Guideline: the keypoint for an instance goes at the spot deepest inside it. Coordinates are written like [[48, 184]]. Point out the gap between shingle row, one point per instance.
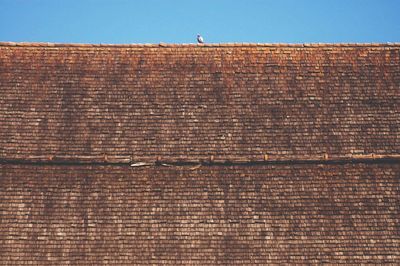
[[135, 161]]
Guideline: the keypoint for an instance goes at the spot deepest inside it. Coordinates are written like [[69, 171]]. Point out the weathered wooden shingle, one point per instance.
[[286, 214], [249, 154], [197, 101]]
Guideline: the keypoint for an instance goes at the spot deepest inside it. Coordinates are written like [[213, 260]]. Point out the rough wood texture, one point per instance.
[[199, 154], [80, 215], [195, 101]]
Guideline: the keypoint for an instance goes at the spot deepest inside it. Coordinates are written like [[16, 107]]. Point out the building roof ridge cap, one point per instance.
[[205, 45]]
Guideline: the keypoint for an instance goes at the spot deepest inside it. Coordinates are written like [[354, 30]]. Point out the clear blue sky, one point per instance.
[[219, 21]]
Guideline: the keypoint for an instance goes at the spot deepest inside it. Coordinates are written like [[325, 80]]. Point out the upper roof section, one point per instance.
[[197, 101]]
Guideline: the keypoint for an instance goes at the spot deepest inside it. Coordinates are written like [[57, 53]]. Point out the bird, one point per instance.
[[199, 39]]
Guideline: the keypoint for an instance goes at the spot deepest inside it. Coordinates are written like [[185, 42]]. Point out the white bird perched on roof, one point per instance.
[[200, 39]]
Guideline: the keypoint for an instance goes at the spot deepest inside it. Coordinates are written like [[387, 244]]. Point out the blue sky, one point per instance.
[[219, 21]]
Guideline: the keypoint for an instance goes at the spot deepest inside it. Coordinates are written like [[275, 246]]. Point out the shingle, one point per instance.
[[212, 215], [232, 154], [186, 100]]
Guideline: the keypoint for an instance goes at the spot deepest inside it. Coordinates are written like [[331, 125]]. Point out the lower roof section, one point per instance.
[[85, 214]]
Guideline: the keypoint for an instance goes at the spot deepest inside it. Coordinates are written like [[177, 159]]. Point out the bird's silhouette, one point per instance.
[[200, 39]]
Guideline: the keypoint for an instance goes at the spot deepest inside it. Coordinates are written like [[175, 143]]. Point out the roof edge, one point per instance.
[[205, 45]]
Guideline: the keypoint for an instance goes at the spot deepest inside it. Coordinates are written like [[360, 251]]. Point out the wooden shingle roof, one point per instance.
[[191, 102], [220, 215], [214, 154]]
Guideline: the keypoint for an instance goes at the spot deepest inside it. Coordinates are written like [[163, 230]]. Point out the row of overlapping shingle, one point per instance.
[[249, 154], [194, 101], [292, 214]]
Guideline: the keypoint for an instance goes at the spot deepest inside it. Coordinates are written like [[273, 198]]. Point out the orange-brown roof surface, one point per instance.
[[196, 101], [220, 215], [215, 154]]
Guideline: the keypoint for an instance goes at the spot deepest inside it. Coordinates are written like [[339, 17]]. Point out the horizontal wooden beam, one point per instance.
[[137, 161]]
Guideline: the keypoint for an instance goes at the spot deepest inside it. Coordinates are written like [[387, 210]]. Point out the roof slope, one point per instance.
[[191, 101], [168, 107], [267, 214]]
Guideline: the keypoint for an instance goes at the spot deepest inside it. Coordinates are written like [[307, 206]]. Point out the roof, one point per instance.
[[191, 102], [229, 215], [248, 154]]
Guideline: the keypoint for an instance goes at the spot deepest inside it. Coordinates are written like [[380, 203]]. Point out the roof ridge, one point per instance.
[[205, 45]]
